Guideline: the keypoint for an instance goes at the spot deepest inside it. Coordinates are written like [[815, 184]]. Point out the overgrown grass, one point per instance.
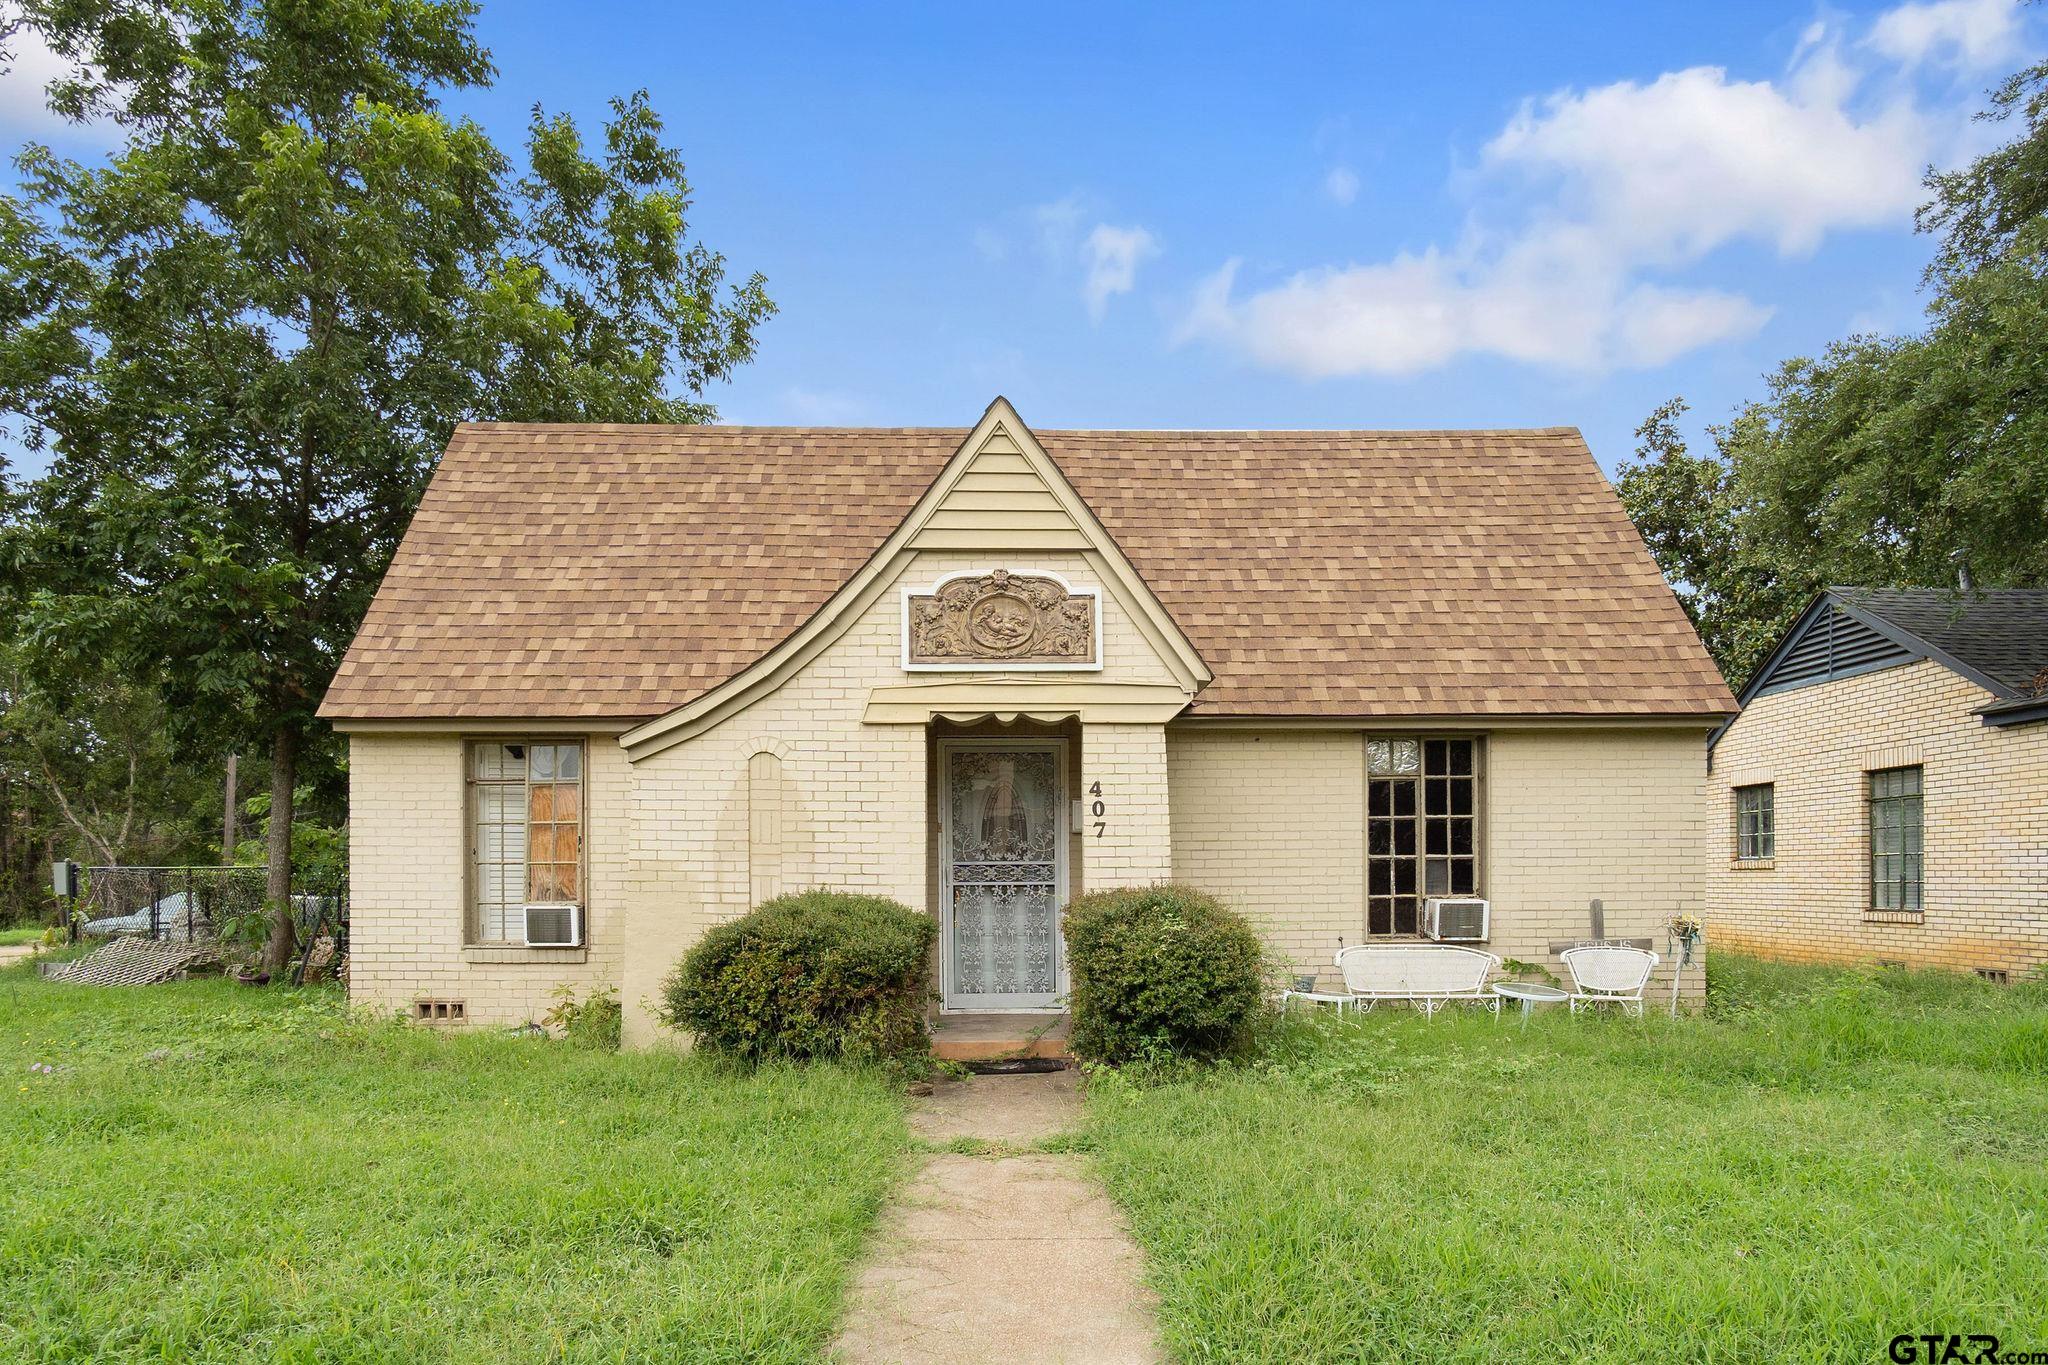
[[19, 934], [1831, 1159], [213, 1173]]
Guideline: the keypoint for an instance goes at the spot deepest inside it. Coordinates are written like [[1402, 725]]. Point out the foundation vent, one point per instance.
[[440, 1011]]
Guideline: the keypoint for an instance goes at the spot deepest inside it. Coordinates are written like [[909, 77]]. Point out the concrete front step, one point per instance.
[[1000, 1037]]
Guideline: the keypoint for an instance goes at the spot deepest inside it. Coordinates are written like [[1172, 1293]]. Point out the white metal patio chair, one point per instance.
[[1425, 974], [1609, 976]]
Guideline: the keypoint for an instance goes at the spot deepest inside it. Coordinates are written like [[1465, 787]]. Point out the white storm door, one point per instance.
[[1003, 874]]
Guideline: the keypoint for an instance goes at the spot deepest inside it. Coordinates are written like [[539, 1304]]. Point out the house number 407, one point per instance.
[[1096, 809]]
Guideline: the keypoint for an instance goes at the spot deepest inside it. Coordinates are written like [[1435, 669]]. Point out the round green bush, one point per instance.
[[820, 974], [1161, 971]]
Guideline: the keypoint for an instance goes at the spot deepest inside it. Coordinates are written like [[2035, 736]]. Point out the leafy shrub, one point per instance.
[[1161, 971], [820, 974], [595, 1022]]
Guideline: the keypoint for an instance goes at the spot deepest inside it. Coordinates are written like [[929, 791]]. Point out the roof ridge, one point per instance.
[[622, 569], [738, 427]]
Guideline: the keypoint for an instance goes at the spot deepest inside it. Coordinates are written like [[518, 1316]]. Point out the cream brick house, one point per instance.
[[643, 678], [1883, 795]]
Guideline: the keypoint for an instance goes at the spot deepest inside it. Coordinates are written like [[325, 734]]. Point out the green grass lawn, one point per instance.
[[25, 933], [214, 1173], [1830, 1160]]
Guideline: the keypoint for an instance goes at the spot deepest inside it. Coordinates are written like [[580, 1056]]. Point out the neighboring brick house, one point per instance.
[[1883, 795], [634, 680]]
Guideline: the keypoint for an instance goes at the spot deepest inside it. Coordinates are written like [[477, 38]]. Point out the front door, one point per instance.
[[1003, 873]]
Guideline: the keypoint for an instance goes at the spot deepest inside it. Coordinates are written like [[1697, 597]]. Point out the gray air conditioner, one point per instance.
[[1461, 920], [554, 926]]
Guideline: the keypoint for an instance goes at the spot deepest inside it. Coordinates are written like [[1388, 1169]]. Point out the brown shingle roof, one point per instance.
[[618, 571]]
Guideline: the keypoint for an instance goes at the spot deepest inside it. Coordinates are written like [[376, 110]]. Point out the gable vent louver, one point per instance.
[[1833, 645]]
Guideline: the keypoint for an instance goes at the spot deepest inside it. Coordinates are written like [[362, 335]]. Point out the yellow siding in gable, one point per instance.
[[1000, 501]]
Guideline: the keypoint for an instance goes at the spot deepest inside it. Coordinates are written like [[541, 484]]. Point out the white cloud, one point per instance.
[[23, 103], [1420, 311], [1104, 258], [1675, 168], [1593, 199], [1341, 184], [1968, 33], [1112, 255], [1655, 325]]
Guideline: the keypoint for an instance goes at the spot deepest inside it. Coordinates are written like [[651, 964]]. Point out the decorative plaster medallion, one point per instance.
[[1000, 617]]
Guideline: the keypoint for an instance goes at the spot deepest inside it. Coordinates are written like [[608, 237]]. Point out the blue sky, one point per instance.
[[1282, 215]]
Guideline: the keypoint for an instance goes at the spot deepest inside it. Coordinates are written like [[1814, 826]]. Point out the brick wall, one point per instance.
[[1985, 807], [1613, 815], [408, 853], [1273, 822], [854, 796], [1129, 762]]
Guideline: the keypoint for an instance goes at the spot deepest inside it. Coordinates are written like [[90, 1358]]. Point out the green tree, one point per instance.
[[98, 755], [247, 333], [1886, 461], [1690, 511]]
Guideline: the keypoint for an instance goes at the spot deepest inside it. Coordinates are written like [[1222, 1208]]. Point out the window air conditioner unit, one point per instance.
[[1464, 920], [554, 926]]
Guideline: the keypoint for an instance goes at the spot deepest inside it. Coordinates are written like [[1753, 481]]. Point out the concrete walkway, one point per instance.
[[1015, 1257], [15, 952]]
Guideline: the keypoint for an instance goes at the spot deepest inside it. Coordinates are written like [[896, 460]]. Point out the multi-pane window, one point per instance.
[[1895, 839], [526, 832], [1756, 822], [1421, 827]]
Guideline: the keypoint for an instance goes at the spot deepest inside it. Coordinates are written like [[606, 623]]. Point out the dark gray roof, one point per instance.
[[1998, 634], [1997, 638]]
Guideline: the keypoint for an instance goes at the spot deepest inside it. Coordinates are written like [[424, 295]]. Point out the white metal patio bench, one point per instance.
[[1426, 974], [1609, 976]]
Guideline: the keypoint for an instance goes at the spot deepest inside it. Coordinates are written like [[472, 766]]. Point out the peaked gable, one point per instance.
[[1000, 492], [1826, 642], [1997, 640], [1000, 498], [611, 574]]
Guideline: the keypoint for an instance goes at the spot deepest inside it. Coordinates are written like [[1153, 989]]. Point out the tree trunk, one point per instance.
[[228, 812], [284, 755]]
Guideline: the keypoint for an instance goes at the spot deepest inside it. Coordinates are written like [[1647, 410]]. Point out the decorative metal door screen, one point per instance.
[[1003, 852]]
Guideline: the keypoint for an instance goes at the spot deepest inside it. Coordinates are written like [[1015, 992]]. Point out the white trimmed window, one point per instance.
[[526, 832]]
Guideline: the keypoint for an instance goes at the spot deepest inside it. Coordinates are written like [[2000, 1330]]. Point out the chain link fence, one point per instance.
[[168, 904], [184, 904]]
